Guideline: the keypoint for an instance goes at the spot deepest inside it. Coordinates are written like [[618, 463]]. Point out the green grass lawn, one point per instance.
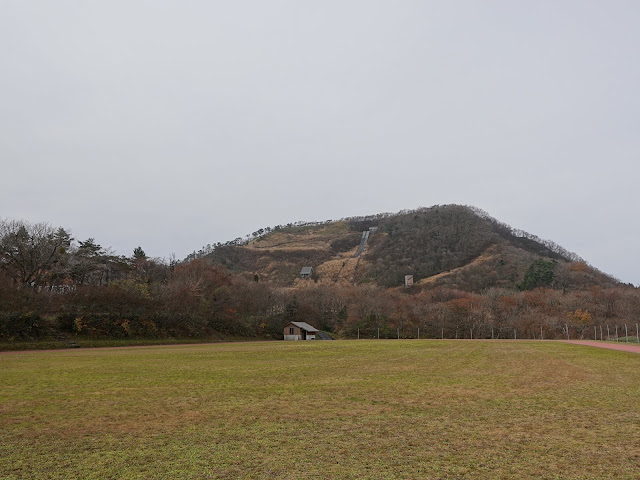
[[100, 342], [322, 410]]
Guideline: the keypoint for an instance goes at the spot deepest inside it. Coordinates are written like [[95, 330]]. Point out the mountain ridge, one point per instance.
[[442, 242]]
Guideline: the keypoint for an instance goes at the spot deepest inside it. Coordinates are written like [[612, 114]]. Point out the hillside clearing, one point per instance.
[[367, 409]]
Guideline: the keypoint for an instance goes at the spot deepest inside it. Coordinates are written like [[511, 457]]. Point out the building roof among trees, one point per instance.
[[305, 326], [306, 271]]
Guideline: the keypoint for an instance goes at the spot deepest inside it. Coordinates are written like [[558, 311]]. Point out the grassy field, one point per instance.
[[322, 410], [101, 342]]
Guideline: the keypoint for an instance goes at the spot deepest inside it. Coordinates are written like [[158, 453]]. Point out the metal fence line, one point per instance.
[[487, 331]]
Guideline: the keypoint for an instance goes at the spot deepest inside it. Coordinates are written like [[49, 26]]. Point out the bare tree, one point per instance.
[[32, 253]]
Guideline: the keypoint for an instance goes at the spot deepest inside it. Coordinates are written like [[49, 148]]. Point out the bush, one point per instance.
[[539, 274], [22, 326]]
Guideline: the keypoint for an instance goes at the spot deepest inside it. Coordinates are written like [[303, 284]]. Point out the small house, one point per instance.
[[408, 280], [299, 331], [306, 272]]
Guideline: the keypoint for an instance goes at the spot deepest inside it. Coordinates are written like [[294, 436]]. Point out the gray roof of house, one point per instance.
[[306, 270], [305, 326]]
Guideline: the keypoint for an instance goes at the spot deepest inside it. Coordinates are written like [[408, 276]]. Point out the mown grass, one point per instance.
[[101, 342], [326, 410]]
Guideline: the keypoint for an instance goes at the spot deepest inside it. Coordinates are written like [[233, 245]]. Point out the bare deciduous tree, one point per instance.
[[32, 252]]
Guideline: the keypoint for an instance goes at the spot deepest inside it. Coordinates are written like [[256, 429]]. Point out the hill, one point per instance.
[[450, 245], [474, 278]]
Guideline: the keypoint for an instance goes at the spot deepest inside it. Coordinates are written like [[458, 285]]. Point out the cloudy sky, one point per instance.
[[173, 124]]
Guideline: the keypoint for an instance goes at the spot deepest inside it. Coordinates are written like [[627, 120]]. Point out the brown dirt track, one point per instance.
[[623, 347]]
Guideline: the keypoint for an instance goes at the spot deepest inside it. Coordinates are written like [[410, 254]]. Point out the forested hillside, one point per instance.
[[448, 245], [474, 277]]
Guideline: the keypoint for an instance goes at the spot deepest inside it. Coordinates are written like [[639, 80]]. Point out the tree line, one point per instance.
[[51, 284]]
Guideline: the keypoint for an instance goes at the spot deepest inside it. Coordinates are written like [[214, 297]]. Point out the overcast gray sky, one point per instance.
[[173, 124]]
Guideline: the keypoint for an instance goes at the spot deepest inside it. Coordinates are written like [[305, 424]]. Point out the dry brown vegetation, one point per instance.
[[447, 246], [485, 282]]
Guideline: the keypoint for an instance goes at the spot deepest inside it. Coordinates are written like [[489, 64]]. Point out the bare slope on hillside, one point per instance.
[[280, 255], [447, 245]]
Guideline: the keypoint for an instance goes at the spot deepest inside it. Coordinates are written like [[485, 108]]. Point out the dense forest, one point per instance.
[[53, 286]]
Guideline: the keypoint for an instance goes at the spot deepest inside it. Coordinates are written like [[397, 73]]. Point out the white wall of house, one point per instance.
[[310, 336]]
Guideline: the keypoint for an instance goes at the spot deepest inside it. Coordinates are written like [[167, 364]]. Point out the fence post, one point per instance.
[[443, 334], [515, 334], [601, 337], [637, 336], [541, 337], [471, 333], [418, 333], [608, 335], [398, 334], [616, 333], [567, 326], [491, 332], [626, 332], [378, 334]]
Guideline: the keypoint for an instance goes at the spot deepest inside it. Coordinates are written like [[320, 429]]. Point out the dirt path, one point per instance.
[[483, 257], [623, 347]]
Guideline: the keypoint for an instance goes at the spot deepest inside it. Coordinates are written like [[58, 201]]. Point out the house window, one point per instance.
[[290, 330]]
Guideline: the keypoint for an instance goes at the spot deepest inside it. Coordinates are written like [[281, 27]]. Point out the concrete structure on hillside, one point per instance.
[[363, 243], [300, 331], [408, 280], [306, 272]]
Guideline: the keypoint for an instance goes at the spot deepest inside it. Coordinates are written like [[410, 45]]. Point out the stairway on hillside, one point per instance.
[[348, 271], [363, 243]]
